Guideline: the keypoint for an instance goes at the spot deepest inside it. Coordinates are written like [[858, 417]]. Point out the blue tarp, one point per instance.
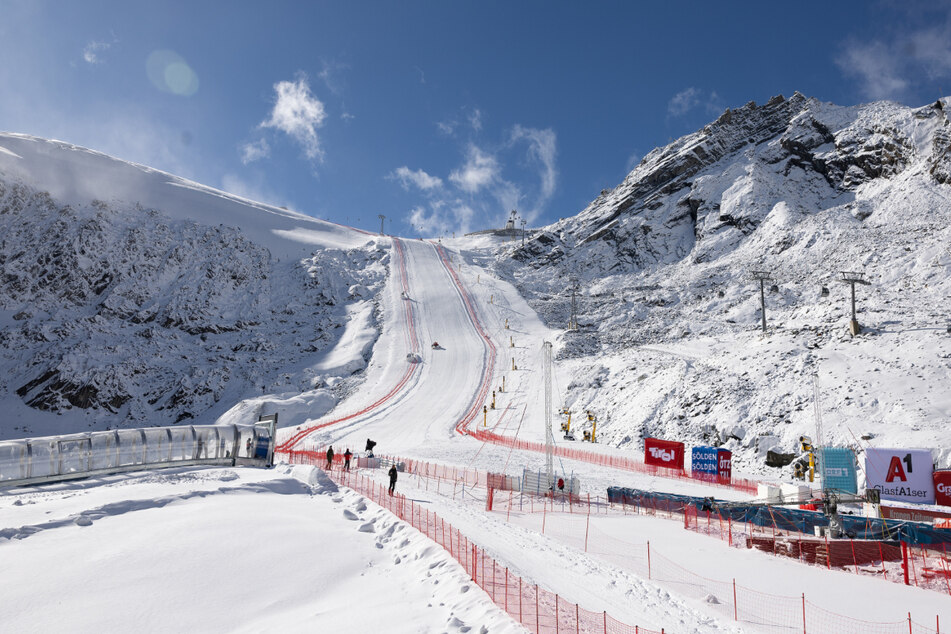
[[789, 519]]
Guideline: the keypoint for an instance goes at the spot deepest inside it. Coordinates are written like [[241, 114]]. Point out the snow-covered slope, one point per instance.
[[131, 297], [670, 343]]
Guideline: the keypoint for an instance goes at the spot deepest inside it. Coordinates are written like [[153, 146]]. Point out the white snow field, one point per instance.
[[287, 550]]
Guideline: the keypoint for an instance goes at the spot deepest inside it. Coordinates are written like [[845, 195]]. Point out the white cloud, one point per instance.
[[330, 74], [442, 218], [632, 161], [298, 113], [480, 170], [683, 102], [92, 51], [475, 119], [542, 149], [875, 67], [255, 151], [419, 178]]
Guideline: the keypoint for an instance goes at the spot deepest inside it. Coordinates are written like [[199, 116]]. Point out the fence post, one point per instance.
[[577, 619], [506, 589], [904, 559], [735, 611], [803, 613], [536, 608], [520, 601], [556, 614], [909, 624], [605, 622]]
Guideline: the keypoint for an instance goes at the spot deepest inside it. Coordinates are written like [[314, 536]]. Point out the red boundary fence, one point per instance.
[[615, 462], [768, 612], [927, 567], [536, 608]]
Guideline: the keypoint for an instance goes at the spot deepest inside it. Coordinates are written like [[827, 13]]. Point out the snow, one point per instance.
[[338, 349]]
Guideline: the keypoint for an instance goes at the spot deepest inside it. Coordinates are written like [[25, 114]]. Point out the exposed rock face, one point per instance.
[[143, 320], [801, 190], [719, 184]]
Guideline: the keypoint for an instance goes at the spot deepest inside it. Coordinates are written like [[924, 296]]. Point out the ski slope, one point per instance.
[[246, 550]]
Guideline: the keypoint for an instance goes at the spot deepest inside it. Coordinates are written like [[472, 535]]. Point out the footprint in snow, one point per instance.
[[350, 515], [361, 507], [367, 528]]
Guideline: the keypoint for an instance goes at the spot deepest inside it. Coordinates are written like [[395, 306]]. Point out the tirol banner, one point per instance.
[[942, 487], [902, 475], [664, 453]]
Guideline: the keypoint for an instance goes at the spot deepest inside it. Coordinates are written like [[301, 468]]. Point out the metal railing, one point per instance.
[[55, 458]]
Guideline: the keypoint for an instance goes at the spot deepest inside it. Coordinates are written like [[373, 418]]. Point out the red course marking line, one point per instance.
[[290, 443], [483, 393]]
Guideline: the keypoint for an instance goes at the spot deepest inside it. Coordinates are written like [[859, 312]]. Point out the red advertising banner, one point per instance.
[[664, 453], [724, 465], [942, 487]]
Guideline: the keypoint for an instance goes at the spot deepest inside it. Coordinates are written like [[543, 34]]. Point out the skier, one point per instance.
[[392, 473], [346, 459], [330, 457]]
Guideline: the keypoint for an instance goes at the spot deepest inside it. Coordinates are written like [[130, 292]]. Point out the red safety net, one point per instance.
[[617, 462], [536, 608]]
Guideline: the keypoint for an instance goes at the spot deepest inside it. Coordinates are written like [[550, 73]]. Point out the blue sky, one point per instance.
[[442, 116]]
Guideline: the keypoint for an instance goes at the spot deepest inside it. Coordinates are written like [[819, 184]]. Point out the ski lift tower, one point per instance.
[[549, 438], [573, 289], [763, 277], [852, 278]]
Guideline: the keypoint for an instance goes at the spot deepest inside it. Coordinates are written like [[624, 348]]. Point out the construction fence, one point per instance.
[[534, 607]]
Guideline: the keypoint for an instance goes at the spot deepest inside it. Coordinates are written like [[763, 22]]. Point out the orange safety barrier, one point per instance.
[[569, 520], [616, 462], [743, 604], [536, 608], [927, 567]]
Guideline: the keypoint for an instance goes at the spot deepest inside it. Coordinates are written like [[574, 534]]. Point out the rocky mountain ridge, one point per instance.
[[670, 342]]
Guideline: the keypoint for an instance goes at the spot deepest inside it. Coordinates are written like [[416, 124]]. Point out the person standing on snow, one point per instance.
[[392, 473], [330, 457], [346, 459]]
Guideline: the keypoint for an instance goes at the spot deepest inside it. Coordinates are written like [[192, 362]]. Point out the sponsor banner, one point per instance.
[[903, 475], [704, 460], [713, 462], [725, 465], [664, 453], [912, 515], [838, 469], [942, 487]]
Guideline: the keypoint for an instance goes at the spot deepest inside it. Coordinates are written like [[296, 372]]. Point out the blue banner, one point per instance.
[[838, 469]]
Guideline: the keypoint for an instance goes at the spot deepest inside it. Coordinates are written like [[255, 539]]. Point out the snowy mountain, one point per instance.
[[133, 297], [670, 342], [130, 297]]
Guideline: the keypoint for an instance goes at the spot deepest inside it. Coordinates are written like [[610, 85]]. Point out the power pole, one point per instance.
[[573, 318], [763, 277], [523, 232], [382, 218], [549, 438], [852, 278]]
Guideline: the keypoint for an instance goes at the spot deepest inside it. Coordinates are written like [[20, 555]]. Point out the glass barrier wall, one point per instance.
[[77, 455]]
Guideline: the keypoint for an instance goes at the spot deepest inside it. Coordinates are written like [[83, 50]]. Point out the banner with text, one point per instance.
[[903, 475], [942, 487], [664, 453]]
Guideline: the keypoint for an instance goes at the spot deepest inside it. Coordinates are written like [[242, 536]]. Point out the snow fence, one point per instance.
[[534, 607]]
